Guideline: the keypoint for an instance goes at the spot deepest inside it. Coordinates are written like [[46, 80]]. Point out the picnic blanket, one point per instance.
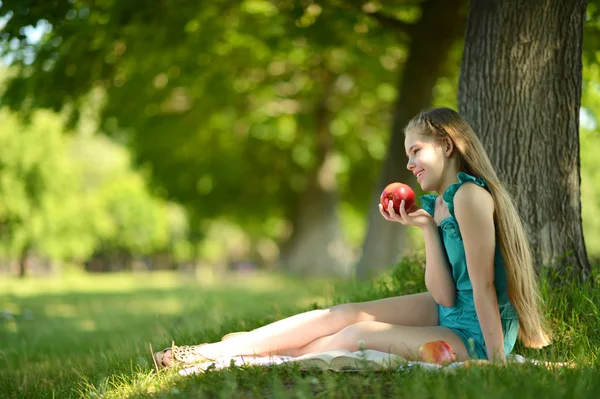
[[343, 360]]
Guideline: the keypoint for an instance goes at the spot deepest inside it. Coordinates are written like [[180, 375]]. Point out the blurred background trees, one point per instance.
[[169, 134], [75, 198]]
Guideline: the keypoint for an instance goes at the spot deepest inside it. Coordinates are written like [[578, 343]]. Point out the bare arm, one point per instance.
[[438, 278], [474, 209]]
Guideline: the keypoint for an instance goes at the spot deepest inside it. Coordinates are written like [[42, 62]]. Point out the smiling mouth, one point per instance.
[[420, 174]]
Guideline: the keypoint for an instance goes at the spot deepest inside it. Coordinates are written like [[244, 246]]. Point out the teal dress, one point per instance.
[[462, 317]]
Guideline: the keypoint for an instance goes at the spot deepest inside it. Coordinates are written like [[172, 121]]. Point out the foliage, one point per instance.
[[220, 100], [590, 163], [40, 203], [66, 197], [218, 103]]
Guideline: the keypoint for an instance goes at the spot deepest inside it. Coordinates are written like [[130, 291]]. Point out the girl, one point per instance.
[[482, 289]]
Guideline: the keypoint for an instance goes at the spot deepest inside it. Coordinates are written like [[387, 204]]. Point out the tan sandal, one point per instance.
[[187, 354], [233, 334]]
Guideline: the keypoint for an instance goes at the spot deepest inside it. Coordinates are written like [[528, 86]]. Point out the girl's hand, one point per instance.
[[417, 217]]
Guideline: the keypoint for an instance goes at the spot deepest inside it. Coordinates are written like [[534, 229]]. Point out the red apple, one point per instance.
[[397, 192], [438, 352]]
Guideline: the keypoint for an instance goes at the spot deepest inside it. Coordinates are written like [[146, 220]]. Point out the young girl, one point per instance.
[[482, 289]]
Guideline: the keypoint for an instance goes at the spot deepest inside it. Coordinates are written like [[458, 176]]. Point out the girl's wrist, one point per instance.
[[429, 226], [497, 356]]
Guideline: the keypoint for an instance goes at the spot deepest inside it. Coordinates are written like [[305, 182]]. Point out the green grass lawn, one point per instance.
[[89, 336]]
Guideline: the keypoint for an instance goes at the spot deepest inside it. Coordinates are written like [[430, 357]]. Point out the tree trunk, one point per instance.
[[316, 246], [520, 87], [441, 24], [23, 260]]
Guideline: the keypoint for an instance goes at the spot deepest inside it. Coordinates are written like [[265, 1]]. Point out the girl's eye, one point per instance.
[[415, 151]]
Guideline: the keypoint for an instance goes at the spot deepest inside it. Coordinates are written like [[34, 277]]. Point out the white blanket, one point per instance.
[[342, 360]]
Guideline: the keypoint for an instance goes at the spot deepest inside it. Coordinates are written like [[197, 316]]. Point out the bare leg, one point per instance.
[[302, 329], [401, 340]]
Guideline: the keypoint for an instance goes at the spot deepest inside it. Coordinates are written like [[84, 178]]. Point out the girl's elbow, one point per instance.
[[444, 296], [446, 300]]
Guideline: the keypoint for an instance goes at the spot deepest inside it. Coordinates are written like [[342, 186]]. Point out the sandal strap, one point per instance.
[[188, 354]]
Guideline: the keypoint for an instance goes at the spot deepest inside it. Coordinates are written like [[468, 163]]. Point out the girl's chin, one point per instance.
[[427, 187]]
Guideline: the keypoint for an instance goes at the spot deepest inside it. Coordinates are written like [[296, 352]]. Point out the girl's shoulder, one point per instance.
[[477, 191], [480, 188]]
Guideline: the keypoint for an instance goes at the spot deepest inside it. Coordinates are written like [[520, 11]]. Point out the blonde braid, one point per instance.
[[434, 126]]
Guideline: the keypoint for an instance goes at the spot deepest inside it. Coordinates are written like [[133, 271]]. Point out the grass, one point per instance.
[[88, 336]]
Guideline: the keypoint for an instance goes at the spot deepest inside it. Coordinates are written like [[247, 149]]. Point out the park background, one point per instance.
[[171, 170]]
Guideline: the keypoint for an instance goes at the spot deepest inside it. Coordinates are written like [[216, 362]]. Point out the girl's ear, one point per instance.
[[448, 146]]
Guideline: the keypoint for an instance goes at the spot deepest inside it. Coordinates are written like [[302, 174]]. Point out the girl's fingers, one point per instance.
[[395, 216], [402, 210], [385, 216], [392, 212], [403, 216]]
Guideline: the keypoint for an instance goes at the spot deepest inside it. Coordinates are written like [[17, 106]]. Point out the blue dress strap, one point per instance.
[[428, 203], [450, 192]]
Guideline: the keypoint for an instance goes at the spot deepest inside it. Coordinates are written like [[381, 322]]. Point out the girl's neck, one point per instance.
[[449, 179]]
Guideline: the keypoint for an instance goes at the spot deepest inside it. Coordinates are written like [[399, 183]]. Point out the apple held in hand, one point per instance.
[[438, 352], [397, 192]]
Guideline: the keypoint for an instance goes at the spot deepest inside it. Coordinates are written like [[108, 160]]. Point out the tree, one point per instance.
[[133, 223], [253, 99], [431, 38], [42, 209], [520, 87], [65, 196]]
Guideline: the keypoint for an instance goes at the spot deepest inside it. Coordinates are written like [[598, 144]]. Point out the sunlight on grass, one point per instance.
[[60, 310], [123, 282], [87, 325], [62, 334], [89, 336]]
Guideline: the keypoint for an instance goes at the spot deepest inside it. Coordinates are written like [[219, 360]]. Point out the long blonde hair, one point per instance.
[[523, 291]]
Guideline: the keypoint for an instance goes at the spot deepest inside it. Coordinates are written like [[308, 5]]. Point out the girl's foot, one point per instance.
[[169, 357], [163, 358]]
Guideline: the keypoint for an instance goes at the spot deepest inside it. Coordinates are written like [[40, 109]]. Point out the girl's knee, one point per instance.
[[351, 336], [346, 313]]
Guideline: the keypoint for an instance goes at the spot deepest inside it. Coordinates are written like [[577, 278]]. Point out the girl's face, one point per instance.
[[426, 160]]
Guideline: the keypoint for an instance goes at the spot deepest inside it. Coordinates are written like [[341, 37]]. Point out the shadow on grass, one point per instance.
[[53, 344]]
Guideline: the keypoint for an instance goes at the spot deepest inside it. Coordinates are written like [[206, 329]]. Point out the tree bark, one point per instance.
[[23, 260], [316, 246], [441, 24], [520, 87]]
